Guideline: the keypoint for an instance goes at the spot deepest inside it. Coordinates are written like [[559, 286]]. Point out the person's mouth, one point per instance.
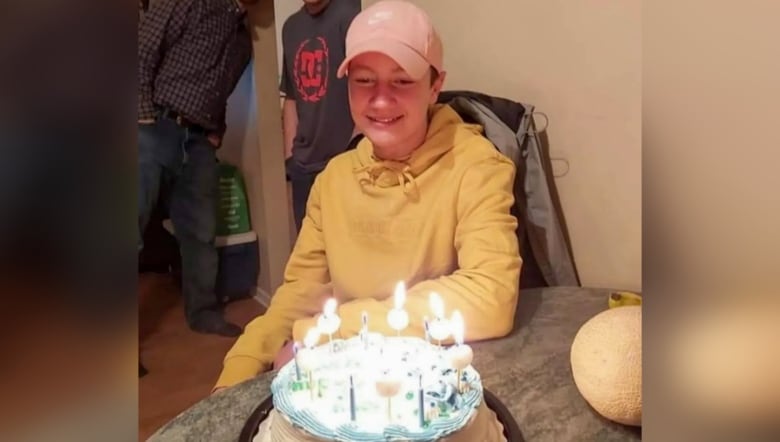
[[384, 120]]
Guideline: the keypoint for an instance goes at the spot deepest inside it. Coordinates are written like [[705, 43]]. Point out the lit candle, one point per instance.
[[421, 404], [439, 329], [311, 338], [397, 317], [329, 320], [460, 354], [351, 399], [306, 358]]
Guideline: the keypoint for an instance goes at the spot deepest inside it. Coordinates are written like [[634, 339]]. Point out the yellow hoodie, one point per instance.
[[439, 222]]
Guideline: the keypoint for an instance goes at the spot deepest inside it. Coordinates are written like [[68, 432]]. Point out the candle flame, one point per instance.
[[330, 307], [398, 319], [364, 318], [457, 327], [437, 305], [312, 337], [400, 295]]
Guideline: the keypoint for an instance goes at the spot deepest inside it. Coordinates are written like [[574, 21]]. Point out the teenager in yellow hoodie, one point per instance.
[[424, 199]]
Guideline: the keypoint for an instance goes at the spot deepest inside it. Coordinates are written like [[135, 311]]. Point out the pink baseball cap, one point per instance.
[[398, 29]]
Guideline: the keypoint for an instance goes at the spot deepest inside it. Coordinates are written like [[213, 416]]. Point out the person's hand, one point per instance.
[[284, 356], [215, 140]]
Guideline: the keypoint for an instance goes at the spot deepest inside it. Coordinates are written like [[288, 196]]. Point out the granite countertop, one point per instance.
[[529, 371]]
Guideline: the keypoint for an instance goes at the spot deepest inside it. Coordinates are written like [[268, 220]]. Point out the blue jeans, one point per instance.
[[186, 160]]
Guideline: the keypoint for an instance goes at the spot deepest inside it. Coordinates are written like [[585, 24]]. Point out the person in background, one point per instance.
[[316, 121], [424, 199], [191, 54]]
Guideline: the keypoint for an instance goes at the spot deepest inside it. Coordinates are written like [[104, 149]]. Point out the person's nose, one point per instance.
[[383, 97]]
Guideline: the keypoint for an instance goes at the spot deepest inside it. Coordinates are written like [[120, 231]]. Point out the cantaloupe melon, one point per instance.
[[606, 364]]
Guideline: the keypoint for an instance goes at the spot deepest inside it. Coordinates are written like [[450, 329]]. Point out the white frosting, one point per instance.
[[385, 366]]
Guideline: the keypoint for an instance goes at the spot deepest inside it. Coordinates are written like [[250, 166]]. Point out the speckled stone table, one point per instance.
[[528, 370]]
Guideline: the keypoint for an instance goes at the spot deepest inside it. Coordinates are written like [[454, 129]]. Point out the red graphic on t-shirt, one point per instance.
[[311, 69]]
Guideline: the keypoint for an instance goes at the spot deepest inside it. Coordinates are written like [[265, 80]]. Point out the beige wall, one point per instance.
[[253, 142], [282, 10], [579, 63]]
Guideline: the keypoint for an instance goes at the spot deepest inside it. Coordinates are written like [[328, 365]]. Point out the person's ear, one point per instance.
[[436, 87]]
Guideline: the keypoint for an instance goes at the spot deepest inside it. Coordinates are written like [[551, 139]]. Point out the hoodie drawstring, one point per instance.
[[403, 172]]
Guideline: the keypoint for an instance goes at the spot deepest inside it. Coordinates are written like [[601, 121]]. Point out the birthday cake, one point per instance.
[[380, 388]]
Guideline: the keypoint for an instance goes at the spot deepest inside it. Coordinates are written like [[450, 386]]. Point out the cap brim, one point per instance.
[[410, 60]]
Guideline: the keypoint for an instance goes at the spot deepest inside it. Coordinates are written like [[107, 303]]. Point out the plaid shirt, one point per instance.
[[191, 54]]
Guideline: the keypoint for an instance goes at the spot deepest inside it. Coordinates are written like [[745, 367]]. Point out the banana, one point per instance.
[[622, 299]]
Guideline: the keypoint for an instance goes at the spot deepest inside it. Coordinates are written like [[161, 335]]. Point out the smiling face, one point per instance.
[[388, 105]]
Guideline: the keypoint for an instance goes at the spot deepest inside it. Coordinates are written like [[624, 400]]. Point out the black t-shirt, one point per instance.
[[313, 50]]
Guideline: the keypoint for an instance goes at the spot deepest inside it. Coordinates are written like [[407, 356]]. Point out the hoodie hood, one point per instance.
[[445, 130]]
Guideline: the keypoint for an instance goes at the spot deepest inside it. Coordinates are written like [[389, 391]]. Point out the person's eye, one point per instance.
[[403, 82], [364, 80]]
